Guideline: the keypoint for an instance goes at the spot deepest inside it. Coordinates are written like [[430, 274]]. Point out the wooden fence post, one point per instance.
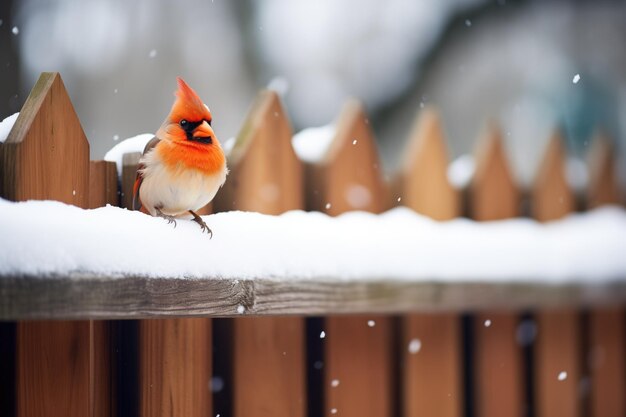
[[102, 184], [130, 162], [269, 353], [499, 378], [558, 346], [431, 343], [46, 156], [358, 349], [607, 326]]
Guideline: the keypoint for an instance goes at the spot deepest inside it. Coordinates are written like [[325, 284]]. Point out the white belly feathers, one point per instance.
[[174, 192]]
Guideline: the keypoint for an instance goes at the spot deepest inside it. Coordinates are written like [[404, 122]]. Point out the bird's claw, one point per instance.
[[203, 225], [170, 219]]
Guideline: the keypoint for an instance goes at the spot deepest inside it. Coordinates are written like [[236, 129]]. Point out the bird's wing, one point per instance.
[[139, 178]]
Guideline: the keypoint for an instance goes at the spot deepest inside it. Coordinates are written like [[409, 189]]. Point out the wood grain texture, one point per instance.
[[559, 345], [130, 161], [102, 391], [499, 377], [102, 184], [175, 367], [607, 363], [88, 296], [53, 369], [46, 155], [359, 357], [604, 187], [432, 377], [269, 360], [269, 353], [432, 368]]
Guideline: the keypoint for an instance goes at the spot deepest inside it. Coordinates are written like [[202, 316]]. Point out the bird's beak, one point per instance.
[[204, 133]]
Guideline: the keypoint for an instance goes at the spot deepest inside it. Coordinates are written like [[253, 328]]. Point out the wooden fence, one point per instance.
[[398, 356]]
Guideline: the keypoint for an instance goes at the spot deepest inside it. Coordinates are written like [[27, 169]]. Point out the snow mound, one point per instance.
[[312, 143], [6, 125], [46, 237], [130, 145]]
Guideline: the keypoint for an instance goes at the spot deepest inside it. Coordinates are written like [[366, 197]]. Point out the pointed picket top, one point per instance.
[[46, 155], [603, 183], [493, 192], [265, 173], [424, 174], [552, 197], [349, 175]]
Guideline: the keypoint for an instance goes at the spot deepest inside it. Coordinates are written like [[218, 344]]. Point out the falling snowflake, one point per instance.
[[322, 334], [576, 78], [354, 142], [487, 323], [399, 199], [334, 383], [15, 30], [333, 411], [153, 53], [468, 22], [115, 91], [240, 309], [73, 192], [371, 323], [327, 206], [562, 376], [116, 137], [415, 345]]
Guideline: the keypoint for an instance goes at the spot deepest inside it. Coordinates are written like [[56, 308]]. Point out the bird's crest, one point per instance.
[[188, 105]]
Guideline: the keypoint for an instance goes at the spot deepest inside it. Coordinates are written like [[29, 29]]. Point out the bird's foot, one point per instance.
[[170, 219], [202, 224]]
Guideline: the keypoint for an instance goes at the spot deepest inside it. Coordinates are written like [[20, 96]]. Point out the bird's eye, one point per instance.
[[183, 123]]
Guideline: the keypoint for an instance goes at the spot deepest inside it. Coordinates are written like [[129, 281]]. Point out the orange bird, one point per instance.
[[184, 165]]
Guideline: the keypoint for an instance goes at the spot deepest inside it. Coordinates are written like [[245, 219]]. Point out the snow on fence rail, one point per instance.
[[416, 364]]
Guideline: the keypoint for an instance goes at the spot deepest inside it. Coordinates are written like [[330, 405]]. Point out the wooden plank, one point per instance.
[[349, 178], [102, 184], [432, 370], [499, 383], [130, 161], [558, 350], [53, 368], [604, 186], [175, 367], [269, 353], [607, 344], [269, 358], [121, 297], [101, 395], [46, 156], [607, 327]]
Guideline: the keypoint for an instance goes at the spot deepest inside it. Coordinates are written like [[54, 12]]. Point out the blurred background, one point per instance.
[[532, 66]]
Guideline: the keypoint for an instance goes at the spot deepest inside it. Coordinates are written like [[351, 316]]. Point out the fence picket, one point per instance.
[[607, 326], [130, 162], [102, 184], [358, 356], [268, 352], [432, 370], [46, 156], [558, 346], [499, 377]]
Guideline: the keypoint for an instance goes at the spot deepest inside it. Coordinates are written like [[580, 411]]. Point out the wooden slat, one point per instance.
[[498, 383], [269, 353], [607, 363], [130, 161], [101, 396], [175, 367], [46, 156], [558, 347], [102, 184], [604, 187], [349, 178], [53, 368], [432, 373], [115, 297], [607, 327]]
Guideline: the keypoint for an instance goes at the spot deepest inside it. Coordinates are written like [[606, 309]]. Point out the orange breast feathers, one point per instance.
[[208, 159]]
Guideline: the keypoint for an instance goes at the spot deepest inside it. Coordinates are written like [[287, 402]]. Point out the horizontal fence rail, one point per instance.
[[269, 347]]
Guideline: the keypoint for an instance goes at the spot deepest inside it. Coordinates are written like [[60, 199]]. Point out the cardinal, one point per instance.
[[183, 166]]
